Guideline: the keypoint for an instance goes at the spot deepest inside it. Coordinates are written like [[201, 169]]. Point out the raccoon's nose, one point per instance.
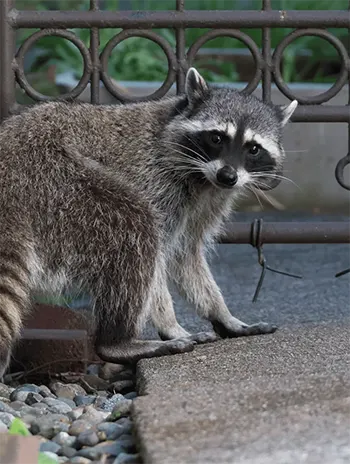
[[227, 176]]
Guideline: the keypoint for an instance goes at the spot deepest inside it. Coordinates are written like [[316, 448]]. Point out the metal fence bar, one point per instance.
[[308, 113], [7, 48], [94, 46], [267, 69], [180, 52], [289, 232], [266, 52], [155, 19]]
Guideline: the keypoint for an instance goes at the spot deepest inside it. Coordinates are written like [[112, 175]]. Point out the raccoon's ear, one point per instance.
[[287, 111], [195, 86]]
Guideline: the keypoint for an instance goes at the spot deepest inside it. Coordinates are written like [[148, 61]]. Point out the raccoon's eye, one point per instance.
[[215, 139], [254, 150]]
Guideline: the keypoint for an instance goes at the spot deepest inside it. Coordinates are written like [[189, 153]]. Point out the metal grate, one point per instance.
[[221, 23]]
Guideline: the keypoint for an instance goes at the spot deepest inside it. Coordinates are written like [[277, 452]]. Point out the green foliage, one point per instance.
[[44, 459], [139, 59], [18, 427]]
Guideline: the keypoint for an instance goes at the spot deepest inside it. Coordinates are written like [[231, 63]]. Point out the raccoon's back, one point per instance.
[[40, 183]]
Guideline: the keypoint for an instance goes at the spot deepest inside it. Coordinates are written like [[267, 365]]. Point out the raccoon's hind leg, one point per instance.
[[15, 277], [119, 313], [120, 272]]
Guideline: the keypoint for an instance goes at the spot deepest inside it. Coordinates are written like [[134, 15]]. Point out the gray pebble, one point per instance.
[[50, 401], [107, 404], [88, 438], [33, 398], [28, 419], [50, 446], [75, 413], [60, 408], [64, 439], [126, 423], [93, 416], [111, 429], [67, 451], [80, 460], [112, 448], [6, 418], [125, 458], [100, 400], [5, 390], [62, 459], [17, 405], [78, 427], [67, 390], [40, 406], [70, 403], [5, 400], [51, 455], [45, 392], [122, 408], [3, 427], [90, 453], [84, 400], [21, 393], [130, 395], [32, 411], [4, 407], [50, 425], [56, 406], [93, 369]]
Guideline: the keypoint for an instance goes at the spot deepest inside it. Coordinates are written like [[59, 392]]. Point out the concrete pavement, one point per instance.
[[282, 398]]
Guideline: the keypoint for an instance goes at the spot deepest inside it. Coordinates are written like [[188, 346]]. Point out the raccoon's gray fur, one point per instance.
[[117, 199]]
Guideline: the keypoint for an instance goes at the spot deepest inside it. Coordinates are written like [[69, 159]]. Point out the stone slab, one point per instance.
[[282, 398]]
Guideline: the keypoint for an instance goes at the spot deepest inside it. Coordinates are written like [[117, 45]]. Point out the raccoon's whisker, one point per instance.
[[296, 151], [193, 151], [259, 184], [275, 203], [275, 176], [187, 157], [197, 145], [257, 197]]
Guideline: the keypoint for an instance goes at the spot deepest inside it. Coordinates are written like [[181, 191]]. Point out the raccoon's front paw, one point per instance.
[[243, 330], [204, 337]]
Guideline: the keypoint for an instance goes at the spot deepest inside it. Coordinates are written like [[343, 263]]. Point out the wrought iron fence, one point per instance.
[[221, 23]]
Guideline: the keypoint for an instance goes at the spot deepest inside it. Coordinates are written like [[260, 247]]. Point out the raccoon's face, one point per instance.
[[231, 140]]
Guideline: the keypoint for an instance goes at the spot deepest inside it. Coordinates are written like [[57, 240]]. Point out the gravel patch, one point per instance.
[[80, 421]]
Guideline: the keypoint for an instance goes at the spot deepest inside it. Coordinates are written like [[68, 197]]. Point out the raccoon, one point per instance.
[[118, 201]]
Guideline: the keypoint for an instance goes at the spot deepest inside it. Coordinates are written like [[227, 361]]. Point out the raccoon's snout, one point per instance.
[[227, 176]]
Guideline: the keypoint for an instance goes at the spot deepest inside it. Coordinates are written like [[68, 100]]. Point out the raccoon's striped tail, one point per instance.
[[14, 298]]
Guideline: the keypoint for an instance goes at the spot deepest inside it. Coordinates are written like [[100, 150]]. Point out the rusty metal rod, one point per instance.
[[53, 334], [189, 18], [7, 50], [289, 232], [305, 113], [329, 113]]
